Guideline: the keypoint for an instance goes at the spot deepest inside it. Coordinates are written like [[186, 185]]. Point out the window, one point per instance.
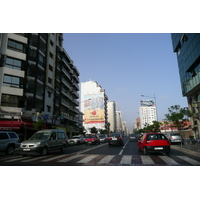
[[48, 108], [49, 80], [49, 94], [11, 101], [13, 63], [11, 81], [61, 135], [16, 46], [3, 136], [12, 135]]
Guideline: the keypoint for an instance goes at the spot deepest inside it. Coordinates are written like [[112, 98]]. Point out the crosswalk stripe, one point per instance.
[[32, 159], [146, 160], [87, 159], [53, 158], [169, 160], [70, 158], [106, 159], [126, 159], [190, 160], [16, 159]]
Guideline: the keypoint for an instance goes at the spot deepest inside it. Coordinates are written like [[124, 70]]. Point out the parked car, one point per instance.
[[76, 139], [92, 139], [44, 141], [133, 137], [154, 142], [9, 141], [103, 138], [174, 137], [115, 139]]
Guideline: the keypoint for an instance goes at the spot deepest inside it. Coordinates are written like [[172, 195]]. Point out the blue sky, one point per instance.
[[128, 65]]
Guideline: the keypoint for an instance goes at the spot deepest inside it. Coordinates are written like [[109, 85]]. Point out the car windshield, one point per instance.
[[114, 135], [77, 137], [102, 136], [40, 136], [156, 137]]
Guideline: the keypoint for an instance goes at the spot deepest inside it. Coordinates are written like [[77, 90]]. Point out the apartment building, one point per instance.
[[119, 122], [93, 105], [112, 116], [147, 112], [39, 81]]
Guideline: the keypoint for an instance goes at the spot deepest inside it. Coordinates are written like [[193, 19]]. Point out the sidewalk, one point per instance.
[[188, 148]]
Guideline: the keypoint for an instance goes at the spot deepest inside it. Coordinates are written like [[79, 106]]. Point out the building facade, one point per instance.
[[147, 113], [39, 81], [112, 116], [187, 48], [93, 105], [119, 121]]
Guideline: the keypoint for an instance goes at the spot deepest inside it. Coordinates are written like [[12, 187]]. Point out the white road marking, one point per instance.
[[147, 160], [169, 160], [53, 158], [70, 158], [190, 160], [87, 159], [126, 159], [106, 159]]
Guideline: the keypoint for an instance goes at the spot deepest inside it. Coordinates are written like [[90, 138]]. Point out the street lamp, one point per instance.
[[154, 97]]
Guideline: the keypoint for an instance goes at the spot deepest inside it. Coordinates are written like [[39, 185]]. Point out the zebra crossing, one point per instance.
[[101, 160]]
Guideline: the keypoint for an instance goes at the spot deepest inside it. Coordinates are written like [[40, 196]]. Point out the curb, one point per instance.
[[188, 151]]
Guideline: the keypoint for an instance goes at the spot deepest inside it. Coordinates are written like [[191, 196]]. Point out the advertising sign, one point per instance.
[[94, 108], [146, 103]]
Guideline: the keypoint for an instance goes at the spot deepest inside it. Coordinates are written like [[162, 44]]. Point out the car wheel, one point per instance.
[[44, 152], [139, 149], [63, 149], [24, 155], [10, 150], [145, 151], [167, 153]]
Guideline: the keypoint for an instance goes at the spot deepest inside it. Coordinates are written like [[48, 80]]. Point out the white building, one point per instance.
[[112, 115], [119, 121], [94, 106], [147, 112]]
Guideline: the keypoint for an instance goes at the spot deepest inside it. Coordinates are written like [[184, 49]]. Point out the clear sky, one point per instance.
[[128, 65]]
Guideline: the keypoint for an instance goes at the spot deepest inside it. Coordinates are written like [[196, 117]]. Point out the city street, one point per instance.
[[103, 155]]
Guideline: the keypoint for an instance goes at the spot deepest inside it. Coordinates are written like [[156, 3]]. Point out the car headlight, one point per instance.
[[21, 145], [37, 144]]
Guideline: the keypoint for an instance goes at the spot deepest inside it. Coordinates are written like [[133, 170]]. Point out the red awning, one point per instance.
[[15, 125]]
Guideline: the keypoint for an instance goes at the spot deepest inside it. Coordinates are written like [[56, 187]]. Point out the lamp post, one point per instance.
[[154, 97]]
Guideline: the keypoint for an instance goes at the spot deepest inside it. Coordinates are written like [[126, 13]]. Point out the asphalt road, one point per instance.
[[102, 155]]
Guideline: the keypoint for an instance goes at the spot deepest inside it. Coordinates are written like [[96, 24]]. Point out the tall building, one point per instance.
[[124, 128], [94, 106], [112, 116], [147, 112], [119, 121], [39, 81], [187, 48]]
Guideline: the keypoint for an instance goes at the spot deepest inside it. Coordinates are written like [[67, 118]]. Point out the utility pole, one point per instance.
[[3, 47]]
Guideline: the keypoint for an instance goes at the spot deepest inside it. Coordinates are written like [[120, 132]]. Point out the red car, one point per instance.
[[92, 139], [154, 142]]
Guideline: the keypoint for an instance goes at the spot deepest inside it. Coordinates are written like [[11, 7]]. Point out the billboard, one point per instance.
[[94, 108], [146, 103]]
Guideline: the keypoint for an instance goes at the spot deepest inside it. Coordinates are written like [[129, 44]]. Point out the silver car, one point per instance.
[[9, 141], [76, 139], [44, 141], [174, 137]]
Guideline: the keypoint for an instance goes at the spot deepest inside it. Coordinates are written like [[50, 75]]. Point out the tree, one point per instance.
[[94, 130], [38, 124], [178, 116]]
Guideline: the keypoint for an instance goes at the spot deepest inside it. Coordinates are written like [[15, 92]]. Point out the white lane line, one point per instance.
[[126, 159], [190, 160], [106, 159], [70, 158], [120, 153], [16, 159], [147, 160], [32, 159], [87, 159], [169, 160]]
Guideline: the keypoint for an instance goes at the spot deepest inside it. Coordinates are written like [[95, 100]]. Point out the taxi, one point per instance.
[[154, 142]]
